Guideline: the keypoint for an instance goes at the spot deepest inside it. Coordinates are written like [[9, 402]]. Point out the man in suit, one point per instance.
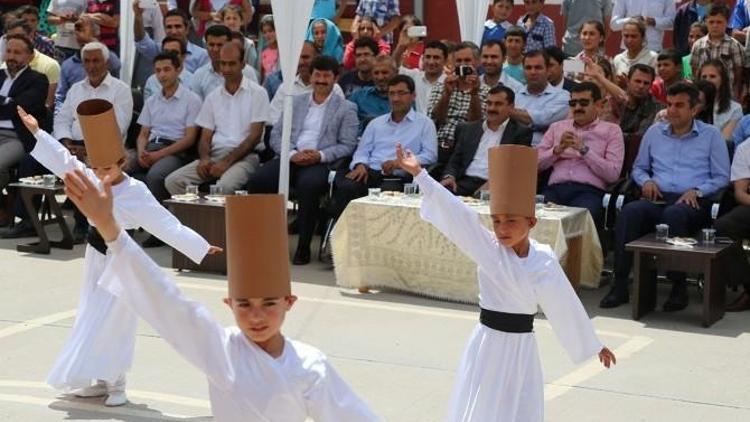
[[466, 171], [19, 86], [324, 131]]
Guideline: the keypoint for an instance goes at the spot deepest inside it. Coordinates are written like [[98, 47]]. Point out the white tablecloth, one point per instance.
[[382, 242]]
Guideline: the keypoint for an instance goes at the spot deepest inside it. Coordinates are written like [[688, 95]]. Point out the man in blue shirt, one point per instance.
[[678, 166], [372, 101], [176, 24], [374, 162]]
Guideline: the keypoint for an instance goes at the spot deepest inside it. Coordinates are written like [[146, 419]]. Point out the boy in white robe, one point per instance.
[[254, 372], [102, 342], [500, 376]]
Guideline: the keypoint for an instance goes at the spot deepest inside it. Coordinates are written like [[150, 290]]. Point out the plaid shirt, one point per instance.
[[381, 11], [541, 35], [728, 50], [44, 45], [458, 108]]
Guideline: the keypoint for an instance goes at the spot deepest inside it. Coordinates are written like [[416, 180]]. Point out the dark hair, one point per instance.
[[555, 53], [724, 92], [27, 10], [709, 93], [325, 64], [640, 67], [463, 45], [240, 48], [438, 45], [719, 10], [537, 53], [502, 89], [236, 35], [183, 43], [367, 42], [25, 40], [515, 31], [587, 86], [492, 43], [672, 55], [700, 25], [402, 79], [218, 30], [168, 55], [683, 87], [19, 23], [599, 28], [179, 13], [510, 2]]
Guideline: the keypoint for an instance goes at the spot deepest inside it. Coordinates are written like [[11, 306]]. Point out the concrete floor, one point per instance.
[[399, 352]]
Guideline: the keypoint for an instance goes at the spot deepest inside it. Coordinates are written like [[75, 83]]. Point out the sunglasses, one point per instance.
[[583, 103]]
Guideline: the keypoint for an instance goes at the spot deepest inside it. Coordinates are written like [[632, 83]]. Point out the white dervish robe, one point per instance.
[[245, 382], [500, 375], [102, 342]]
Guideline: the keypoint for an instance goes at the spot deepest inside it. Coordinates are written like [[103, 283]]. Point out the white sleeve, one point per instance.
[[65, 117], [55, 157], [123, 109], [457, 221], [186, 325], [260, 106], [205, 118], [332, 400], [564, 311]]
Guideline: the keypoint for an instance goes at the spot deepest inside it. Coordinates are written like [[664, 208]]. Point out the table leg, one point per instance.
[[67, 237], [714, 291], [644, 284], [573, 262], [43, 246]]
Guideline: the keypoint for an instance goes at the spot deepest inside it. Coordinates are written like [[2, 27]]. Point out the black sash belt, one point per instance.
[[97, 242], [505, 322]]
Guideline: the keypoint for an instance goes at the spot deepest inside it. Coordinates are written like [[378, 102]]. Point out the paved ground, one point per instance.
[[399, 352]]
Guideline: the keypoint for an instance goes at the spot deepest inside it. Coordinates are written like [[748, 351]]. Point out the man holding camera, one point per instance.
[[460, 98]]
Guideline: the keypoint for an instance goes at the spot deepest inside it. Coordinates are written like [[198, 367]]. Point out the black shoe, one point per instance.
[[678, 298], [614, 299], [152, 242], [301, 256], [22, 229], [79, 234]]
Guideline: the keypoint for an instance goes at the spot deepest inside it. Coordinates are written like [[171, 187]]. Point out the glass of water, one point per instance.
[[49, 180], [484, 196], [214, 190], [662, 232], [410, 189], [373, 192], [191, 190], [709, 236]]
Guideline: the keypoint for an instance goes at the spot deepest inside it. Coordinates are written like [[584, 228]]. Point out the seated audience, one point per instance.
[[669, 70], [372, 101], [556, 76], [727, 112], [177, 47], [326, 37], [717, 45], [40, 62], [636, 51], [234, 18], [591, 35], [366, 29], [434, 60], [698, 30], [365, 50], [209, 77], [492, 58], [176, 24], [515, 45], [409, 50]]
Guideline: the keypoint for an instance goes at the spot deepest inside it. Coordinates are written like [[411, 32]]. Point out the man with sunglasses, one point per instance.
[[585, 153]]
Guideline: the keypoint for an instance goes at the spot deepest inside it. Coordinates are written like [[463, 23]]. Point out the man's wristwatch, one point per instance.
[[698, 193], [584, 149]]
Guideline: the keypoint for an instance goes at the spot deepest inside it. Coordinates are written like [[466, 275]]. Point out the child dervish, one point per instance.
[[254, 372], [500, 376], [102, 342]]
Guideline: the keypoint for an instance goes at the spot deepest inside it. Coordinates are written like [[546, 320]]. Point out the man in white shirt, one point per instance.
[[434, 59], [232, 120], [658, 15], [209, 77]]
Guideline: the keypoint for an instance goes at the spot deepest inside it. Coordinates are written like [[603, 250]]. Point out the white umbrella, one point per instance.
[[471, 17], [291, 18]]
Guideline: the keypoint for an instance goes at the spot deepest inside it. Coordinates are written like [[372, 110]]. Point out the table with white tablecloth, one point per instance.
[[381, 241]]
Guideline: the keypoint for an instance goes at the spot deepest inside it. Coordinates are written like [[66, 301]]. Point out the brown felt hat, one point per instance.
[[513, 173], [257, 247], [101, 135]]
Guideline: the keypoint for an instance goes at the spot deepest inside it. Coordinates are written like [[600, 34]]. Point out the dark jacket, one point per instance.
[[29, 91], [686, 16], [468, 136]]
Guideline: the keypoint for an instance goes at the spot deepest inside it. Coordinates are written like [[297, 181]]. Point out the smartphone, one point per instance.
[[573, 66], [416, 32]]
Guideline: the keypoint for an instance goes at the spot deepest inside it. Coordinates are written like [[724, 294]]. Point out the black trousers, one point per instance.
[[468, 185], [309, 183], [347, 190], [736, 225]]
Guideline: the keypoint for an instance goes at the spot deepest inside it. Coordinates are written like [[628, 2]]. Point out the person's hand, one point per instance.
[[376, 32], [137, 9], [298, 158], [474, 83], [650, 191], [593, 70], [622, 81], [567, 140], [311, 156], [450, 183], [143, 159], [218, 168], [214, 250], [388, 166], [204, 169], [407, 161], [451, 80], [690, 198], [607, 358], [28, 120], [359, 174], [94, 204]]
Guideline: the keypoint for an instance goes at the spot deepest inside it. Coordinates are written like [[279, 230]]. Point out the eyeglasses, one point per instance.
[[583, 103]]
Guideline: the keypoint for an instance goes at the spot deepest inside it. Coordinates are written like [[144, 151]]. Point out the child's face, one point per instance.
[[514, 45], [319, 34], [232, 21], [114, 172], [269, 34], [667, 70], [512, 230], [533, 7], [260, 319], [717, 25], [501, 11], [694, 35], [366, 29], [632, 37], [591, 39], [711, 74]]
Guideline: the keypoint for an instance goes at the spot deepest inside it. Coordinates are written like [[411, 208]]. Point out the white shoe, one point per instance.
[[97, 390], [117, 398]]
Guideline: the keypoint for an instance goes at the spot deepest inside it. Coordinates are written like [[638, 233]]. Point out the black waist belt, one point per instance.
[[505, 322], [97, 242]]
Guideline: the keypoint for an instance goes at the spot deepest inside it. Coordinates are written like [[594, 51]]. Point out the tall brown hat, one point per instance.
[[101, 135], [257, 247], [513, 171]]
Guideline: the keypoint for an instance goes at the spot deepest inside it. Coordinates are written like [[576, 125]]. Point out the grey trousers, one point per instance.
[[11, 153], [234, 178]]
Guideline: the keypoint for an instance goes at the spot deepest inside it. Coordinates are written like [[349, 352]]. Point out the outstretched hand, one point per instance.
[[407, 161], [214, 250], [607, 358], [94, 204], [28, 120]]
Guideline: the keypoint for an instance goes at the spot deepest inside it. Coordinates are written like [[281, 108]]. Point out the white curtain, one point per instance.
[[291, 18], [471, 17], [127, 41]]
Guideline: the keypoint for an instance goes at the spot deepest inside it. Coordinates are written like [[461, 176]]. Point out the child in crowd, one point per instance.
[[718, 45], [409, 50], [540, 29], [515, 44], [326, 37], [102, 342], [591, 35], [269, 55], [698, 30], [234, 17], [254, 372], [494, 29], [367, 28], [669, 71], [500, 376], [636, 51]]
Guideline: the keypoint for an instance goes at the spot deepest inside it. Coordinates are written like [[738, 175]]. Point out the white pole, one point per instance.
[[286, 136]]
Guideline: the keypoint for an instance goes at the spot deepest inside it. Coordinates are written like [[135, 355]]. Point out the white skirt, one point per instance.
[[102, 342], [499, 379]]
